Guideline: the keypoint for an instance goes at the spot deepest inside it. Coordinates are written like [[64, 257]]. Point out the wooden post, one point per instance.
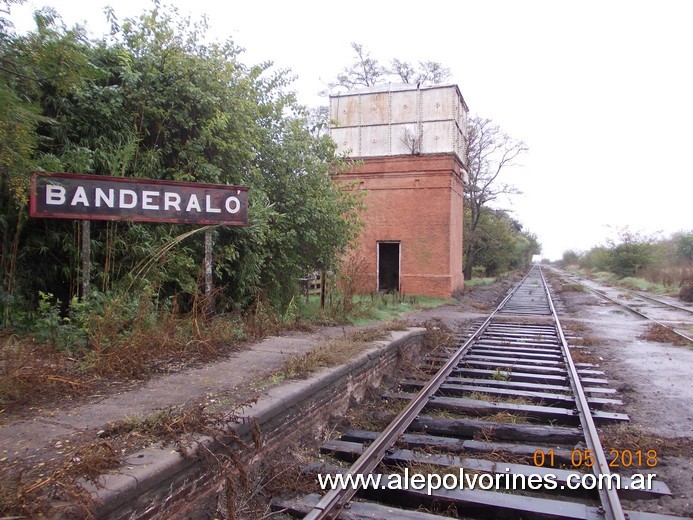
[[323, 281], [86, 257], [209, 287]]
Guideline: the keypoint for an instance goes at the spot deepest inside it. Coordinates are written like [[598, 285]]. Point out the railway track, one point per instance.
[[506, 427], [656, 310]]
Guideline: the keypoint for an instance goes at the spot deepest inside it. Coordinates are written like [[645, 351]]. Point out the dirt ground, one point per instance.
[[653, 379], [47, 446]]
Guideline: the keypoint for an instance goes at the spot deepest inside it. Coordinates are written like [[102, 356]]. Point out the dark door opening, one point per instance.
[[388, 266]]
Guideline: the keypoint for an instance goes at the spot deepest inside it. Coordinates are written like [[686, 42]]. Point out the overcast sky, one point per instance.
[[600, 90]]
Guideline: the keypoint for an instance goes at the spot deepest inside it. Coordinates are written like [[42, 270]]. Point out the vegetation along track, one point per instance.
[[509, 408]]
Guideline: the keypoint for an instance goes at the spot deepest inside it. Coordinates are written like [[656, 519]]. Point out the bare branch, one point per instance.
[[489, 152], [367, 72], [404, 70], [364, 72]]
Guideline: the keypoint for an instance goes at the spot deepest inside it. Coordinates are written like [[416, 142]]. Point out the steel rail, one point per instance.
[[661, 302], [641, 314], [609, 497], [336, 499], [629, 308]]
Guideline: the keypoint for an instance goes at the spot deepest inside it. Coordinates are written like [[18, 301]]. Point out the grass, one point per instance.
[[501, 375], [587, 341], [119, 347], [332, 352], [327, 354], [128, 340], [492, 398], [373, 413], [641, 284], [508, 417], [468, 284], [444, 414], [632, 437], [631, 282], [367, 309], [167, 425], [580, 356], [384, 307], [601, 276]]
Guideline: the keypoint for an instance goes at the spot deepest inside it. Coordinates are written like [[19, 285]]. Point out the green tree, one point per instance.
[[489, 152], [633, 253], [501, 243], [36, 70], [684, 246], [527, 246], [162, 102], [570, 257], [598, 259]]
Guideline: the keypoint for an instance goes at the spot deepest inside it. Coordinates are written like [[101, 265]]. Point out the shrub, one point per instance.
[[686, 292]]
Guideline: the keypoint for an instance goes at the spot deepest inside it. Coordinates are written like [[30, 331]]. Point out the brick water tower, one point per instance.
[[408, 143]]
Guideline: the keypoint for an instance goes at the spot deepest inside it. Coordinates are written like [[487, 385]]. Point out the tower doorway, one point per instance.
[[388, 266]]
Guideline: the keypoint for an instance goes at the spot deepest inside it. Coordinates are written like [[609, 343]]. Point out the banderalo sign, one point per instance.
[[95, 197]]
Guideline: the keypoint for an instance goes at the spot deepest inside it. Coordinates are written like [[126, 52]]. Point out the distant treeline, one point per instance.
[[666, 261]]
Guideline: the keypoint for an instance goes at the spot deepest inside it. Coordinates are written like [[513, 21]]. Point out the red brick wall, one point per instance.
[[417, 201]]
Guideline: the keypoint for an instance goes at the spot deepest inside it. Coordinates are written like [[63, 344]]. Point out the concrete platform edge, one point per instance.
[[153, 467]]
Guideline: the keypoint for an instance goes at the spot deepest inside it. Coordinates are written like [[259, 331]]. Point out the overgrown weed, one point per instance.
[[32, 491], [122, 338], [171, 425], [29, 370], [374, 412], [508, 417], [659, 334], [493, 398], [571, 287], [631, 437], [438, 336], [582, 356], [335, 351], [328, 353]]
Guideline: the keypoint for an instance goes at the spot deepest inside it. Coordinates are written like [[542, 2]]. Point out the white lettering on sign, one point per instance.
[[193, 203], [100, 197], [208, 205], [233, 205], [80, 197], [66, 197], [123, 201], [55, 195], [147, 202], [171, 200], [128, 199]]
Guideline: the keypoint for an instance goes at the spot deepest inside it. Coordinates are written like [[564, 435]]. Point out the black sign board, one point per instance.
[[95, 197]]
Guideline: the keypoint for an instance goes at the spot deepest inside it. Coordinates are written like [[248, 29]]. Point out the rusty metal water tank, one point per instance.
[[400, 119]]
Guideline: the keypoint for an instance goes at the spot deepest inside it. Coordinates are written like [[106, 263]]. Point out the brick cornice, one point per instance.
[[402, 164]]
